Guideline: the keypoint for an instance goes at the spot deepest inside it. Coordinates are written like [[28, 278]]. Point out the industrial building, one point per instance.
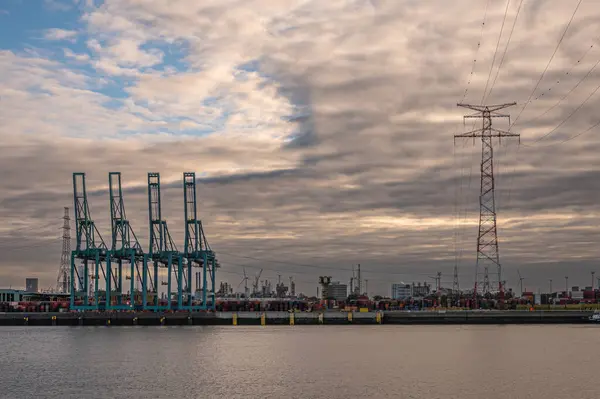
[[10, 295], [401, 291], [338, 291], [419, 290], [31, 285], [332, 289]]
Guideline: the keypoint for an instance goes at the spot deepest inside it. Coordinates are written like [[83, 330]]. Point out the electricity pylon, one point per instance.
[[62, 281], [487, 239]]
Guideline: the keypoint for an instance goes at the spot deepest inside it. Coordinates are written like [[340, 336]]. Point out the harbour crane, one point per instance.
[[162, 252], [125, 247], [90, 248], [196, 252]]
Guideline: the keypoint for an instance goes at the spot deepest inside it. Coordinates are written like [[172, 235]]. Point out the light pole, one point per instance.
[[550, 294], [593, 280], [567, 286]]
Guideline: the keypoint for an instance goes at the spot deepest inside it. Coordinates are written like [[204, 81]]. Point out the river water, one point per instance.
[[489, 362]]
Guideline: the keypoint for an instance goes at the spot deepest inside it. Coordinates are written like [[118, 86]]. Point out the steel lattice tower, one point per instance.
[[487, 239], [62, 281], [455, 285]]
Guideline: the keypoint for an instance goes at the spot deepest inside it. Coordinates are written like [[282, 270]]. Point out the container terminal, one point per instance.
[[178, 286]]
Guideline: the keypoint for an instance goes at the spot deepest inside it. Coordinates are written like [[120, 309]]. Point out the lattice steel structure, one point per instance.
[[487, 240], [196, 251], [162, 253], [62, 281], [455, 286], [102, 285], [90, 248], [125, 249]]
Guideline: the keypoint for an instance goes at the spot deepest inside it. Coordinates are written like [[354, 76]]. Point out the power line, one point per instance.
[[547, 65], [476, 52], [49, 242], [498, 161], [458, 195], [566, 95], [505, 49], [568, 117], [581, 133], [495, 52], [570, 138], [464, 216], [568, 72]]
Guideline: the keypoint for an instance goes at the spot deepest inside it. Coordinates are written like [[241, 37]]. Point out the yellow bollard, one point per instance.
[[234, 319], [263, 319], [378, 317], [291, 318], [320, 318], [350, 316]]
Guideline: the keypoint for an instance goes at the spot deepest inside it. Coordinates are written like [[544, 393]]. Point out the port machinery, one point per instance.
[[99, 282], [197, 253]]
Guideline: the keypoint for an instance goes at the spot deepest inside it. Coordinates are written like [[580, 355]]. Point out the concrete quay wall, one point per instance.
[[286, 318]]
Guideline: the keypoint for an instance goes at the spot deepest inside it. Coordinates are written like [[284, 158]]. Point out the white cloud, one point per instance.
[[60, 34], [78, 57]]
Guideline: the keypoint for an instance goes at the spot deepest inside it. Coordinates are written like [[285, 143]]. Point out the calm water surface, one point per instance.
[[301, 362]]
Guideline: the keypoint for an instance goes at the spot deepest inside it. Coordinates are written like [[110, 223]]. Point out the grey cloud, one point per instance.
[[369, 174]]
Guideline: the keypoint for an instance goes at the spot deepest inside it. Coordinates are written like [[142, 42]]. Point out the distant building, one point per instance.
[[577, 294], [401, 291], [10, 295], [31, 284], [336, 290], [420, 290]]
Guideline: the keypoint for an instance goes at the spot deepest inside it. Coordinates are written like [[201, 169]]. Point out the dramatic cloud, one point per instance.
[[321, 134]]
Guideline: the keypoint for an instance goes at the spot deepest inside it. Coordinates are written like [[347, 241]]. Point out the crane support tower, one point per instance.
[[487, 239], [162, 253], [90, 250], [196, 252], [125, 248]]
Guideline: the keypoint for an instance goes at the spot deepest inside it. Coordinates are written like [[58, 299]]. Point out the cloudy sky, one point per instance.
[[321, 131]]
